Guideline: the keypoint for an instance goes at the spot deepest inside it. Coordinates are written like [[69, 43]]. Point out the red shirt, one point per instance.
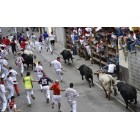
[[23, 44], [7, 42], [4, 41], [56, 89]]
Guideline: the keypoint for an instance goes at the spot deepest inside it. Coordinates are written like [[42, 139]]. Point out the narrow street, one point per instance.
[[90, 99]]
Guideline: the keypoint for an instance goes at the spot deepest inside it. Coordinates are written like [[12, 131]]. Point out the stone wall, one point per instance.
[[134, 68]]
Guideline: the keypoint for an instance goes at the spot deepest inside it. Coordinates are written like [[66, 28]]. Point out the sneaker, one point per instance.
[[61, 80], [59, 110], [41, 90], [47, 100], [18, 94], [29, 105], [33, 97]]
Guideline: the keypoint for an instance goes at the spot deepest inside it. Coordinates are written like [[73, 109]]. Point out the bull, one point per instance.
[[66, 54], [128, 92], [107, 82], [87, 72], [28, 60]]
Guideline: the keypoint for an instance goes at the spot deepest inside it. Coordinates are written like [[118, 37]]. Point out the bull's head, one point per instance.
[[97, 73]]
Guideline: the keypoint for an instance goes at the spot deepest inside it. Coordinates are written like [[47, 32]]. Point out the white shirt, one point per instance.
[[72, 37], [56, 64], [71, 94], [39, 70], [2, 88], [9, 82], [111, 68], [88, 29], [52, 37], [19, 60], [14, 74]]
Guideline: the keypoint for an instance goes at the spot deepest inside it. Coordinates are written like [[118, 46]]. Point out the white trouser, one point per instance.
[[73, 106], [8, 48], [46, 91], [33, 42], [21, 68], [28, 34], [28, 47], [39, 46], [88, 50], [11, 91], [39, 77], [58, 72], [56, 99], [4, 101], [28, 92]]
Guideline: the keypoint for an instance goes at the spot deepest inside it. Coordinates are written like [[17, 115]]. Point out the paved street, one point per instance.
[[90, 99]]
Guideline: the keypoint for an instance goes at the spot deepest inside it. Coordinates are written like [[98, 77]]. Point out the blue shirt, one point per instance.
[[75, 37], [45, 35]]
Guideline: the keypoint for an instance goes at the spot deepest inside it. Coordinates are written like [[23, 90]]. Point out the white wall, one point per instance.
[[123, 60], [60, 35]]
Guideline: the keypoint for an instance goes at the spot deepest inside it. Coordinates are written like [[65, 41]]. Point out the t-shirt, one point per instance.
[[51, 37], [7, 42], [111, 68], [45, 81], [56, 64], [56, 89], [14, 74], [28, 82], [23, 44], [71, 94], [39, 70], [45, 35], [19, 61], [9, 82]]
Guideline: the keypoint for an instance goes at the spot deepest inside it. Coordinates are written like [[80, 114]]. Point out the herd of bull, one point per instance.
[[128, 92]]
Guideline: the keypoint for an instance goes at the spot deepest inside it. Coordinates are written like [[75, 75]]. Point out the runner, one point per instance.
[[45, 86]]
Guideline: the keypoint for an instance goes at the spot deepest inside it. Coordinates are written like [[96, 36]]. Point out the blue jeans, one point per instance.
[[132, 46]]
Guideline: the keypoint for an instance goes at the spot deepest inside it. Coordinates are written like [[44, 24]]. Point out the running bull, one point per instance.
[[128, 92], [87, 72], [66, 54]]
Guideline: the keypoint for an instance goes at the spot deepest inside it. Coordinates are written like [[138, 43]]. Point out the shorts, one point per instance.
[[56, 98]]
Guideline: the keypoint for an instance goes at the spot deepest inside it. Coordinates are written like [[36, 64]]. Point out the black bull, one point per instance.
[[87, 72], [128, 92], [28, 60], [66, 54]]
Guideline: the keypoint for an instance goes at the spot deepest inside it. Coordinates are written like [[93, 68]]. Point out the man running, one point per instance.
[[56, 98], [44, 81], [39, 71], [57, 67], [71, 94], [29, 87]]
